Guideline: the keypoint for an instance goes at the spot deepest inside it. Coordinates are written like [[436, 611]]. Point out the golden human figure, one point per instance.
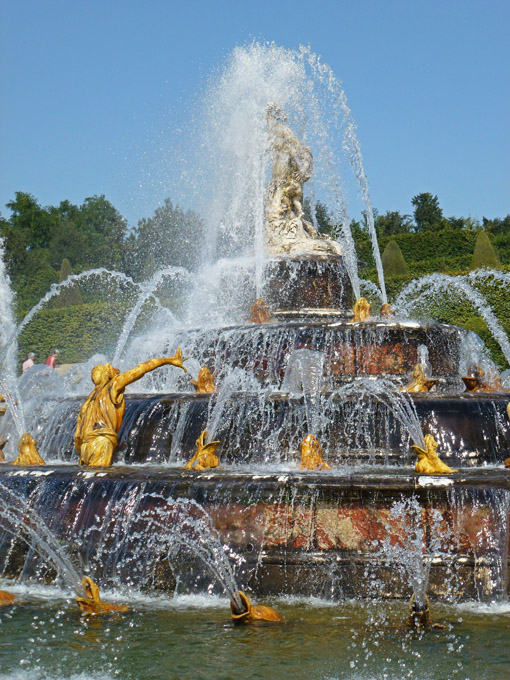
[[429, 462], [205, 456], [100, 417], [250, 613], [92, 605], [311, 454], [28, 452]]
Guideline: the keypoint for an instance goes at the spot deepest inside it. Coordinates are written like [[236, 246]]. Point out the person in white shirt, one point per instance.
[[29, 362]]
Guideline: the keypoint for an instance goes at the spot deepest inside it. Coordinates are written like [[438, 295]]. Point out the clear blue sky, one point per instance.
[[92, 90]]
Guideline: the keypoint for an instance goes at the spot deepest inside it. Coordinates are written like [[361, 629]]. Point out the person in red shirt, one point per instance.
[[52, 359]]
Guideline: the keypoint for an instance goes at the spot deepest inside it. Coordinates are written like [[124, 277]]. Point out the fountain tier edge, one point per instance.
[[298, 533]]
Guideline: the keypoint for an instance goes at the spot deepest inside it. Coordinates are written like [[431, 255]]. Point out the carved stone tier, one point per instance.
[[300, 533], [310, 285]]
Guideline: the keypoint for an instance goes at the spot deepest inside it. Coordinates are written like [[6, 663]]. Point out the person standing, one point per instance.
[[29, 362], [52, 359]]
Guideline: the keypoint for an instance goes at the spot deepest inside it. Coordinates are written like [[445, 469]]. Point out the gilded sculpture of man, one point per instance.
[[100, 417]]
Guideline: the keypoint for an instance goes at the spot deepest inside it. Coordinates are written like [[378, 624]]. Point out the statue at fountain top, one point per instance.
[[311, 454], [204, 384], [92, 605], [205, 456], [250, 613], [100, 417], [362, 310], [287, 232], [419, 382], [28, 452], [429, 462]]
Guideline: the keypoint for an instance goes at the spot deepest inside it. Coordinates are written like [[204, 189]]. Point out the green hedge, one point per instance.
[[78, 332]]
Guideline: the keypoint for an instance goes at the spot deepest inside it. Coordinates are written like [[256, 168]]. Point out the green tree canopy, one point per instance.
[[427, 213]]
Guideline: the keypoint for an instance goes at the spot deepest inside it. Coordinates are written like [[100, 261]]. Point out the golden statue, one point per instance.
[[311, 454], [92, 605], [428, 461], [28, 452], [419, 382], [420, 617], [387, 312], [6, 598], [204, 384], [3, 405], [251, 613], [3, 442], [205, 456], [260, 312], [101, 415], [362, 310]]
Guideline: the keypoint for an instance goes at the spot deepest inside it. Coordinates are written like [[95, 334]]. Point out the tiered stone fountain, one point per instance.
[[301, 364]]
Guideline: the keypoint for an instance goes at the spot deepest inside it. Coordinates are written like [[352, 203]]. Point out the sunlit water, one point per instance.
[[192, 637]]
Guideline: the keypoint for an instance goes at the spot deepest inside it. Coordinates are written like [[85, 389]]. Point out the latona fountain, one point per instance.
[[298, 439]]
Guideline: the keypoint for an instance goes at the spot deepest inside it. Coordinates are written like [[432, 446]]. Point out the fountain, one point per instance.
[[313, 426]]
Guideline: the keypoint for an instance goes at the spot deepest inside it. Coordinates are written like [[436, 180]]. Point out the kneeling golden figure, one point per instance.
[[311, 454], [251, 613], [28, 452], [429, 462], [92, 605], [419, 382], [205, 456]]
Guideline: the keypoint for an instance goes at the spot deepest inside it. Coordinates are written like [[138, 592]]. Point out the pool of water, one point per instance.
[[44, 637]]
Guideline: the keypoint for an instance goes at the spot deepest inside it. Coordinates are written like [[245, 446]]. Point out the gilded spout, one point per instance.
[[428, 462], [28, 452], [205, 456], [362, 310], [311, 454], [204, 384], [92, 605], [249, 613]]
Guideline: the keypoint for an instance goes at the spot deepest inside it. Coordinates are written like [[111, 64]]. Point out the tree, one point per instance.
[[69, 295], [393, 261], [392, 222], [171, 237], [427, 213], [484, 255]]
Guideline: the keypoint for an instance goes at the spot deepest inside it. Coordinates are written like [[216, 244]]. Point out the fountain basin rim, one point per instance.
[[382, 478]]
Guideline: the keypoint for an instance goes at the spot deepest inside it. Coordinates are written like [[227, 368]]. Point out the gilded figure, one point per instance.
[[205, 456], [260, 312], [419, 382], [28, 452], [429, 462], [204, 384], [251, 613], [100, 417], [362, 310], [311, 454], [92, 605]]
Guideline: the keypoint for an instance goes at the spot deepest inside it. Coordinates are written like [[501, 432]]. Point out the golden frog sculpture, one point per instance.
[[28, 452], [205, 456], [251, 613], [362, 310], [387, 312], [6, 598], [260, 312], [419, 382], [92, 605], [100, 417], [204, 384], [429, 462], [311, 454]]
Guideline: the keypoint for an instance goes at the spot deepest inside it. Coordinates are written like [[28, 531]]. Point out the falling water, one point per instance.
[[436, 284]]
